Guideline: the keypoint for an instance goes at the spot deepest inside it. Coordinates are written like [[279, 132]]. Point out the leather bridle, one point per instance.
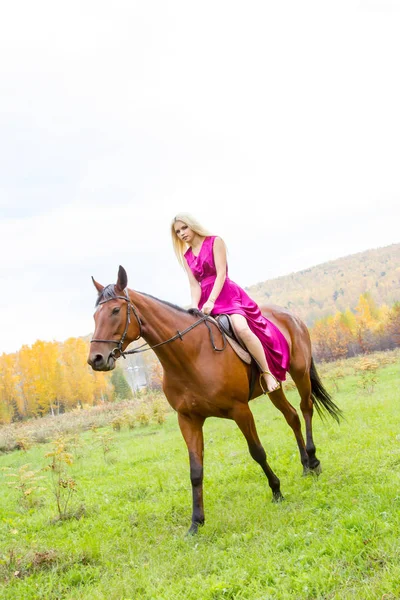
[[119, 343], [179, 334]]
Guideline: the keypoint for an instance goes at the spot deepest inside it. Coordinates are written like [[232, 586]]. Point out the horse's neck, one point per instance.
[[159, 321]]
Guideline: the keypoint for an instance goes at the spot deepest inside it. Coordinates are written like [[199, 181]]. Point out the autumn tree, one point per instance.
[[27, 399], [8, 389], [394, 324], [367, 316], [80, 381], [46, 367]]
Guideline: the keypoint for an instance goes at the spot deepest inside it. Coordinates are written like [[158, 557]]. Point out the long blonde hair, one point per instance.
[[179, 245]]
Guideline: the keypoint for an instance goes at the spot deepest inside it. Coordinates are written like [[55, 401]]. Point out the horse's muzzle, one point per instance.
[[98, 362]]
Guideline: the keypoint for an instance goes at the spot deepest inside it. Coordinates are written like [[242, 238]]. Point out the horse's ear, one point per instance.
[[98, 286], [122, 281]]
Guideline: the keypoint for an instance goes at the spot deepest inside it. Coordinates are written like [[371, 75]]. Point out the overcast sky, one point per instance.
[[277, 124]]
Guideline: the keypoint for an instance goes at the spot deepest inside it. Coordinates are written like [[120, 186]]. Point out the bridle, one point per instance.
[[178, 335], [119, 343]]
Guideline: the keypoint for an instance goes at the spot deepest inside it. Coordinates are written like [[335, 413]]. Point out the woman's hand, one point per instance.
[[195, 312], [207, 307]]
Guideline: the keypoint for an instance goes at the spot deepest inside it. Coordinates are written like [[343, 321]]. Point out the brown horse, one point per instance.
[[200, 382]]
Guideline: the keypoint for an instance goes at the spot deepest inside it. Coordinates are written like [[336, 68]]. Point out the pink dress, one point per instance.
[[233, 300]]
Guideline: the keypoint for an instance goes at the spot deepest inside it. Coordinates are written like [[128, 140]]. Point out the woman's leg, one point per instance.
[[255, 348]]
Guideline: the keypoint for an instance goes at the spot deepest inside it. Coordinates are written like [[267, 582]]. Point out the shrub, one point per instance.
[[142, 415], [105, 441], [368, 368], [63, 486], [159, 411], [27, 482]]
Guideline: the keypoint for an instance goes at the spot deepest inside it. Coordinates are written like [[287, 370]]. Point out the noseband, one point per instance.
[[128, 321]]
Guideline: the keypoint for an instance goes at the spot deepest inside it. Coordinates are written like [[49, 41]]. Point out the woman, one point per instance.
[[204, 258]]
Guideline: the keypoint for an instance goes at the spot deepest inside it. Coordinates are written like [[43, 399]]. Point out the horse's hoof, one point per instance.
[[312, 470], [277, 497], [316, 470], [194, 528]]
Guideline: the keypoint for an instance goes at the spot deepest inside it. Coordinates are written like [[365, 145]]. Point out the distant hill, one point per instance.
[[336, 285]]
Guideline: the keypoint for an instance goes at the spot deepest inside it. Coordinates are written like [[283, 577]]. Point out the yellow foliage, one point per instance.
[[48, 378]]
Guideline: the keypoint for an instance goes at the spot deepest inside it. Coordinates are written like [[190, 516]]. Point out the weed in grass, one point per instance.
[[105, 441], [129, 418], [23, 442], [26, 481], [10, 564], [17, 565], [368, 367], [336, 374], [117, 423], [64, 487], [158, 411], [75, 445], [142, 415]]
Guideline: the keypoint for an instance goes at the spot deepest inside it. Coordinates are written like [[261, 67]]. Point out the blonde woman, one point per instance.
[[203, 257]]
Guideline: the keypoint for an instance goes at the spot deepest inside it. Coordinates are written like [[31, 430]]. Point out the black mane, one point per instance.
[[175, 306], [108, 293]]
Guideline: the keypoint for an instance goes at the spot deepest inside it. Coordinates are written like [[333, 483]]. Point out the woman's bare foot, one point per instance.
[[272, 384]]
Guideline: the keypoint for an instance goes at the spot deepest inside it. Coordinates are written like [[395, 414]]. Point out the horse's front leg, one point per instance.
[[192, 431]]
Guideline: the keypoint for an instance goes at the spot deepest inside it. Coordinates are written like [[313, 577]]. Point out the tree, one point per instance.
[[27, 400], [8, 388], [122, 390], [45, 358], [394, 324], [79, 378], [366, 323]]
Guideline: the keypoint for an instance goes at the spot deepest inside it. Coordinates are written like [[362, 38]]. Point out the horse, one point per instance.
[[199, 381]]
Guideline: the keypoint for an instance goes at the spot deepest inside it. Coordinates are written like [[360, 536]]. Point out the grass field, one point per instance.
[[334, 537]]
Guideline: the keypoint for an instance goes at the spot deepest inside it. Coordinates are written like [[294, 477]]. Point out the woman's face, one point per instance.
[[184, 232]]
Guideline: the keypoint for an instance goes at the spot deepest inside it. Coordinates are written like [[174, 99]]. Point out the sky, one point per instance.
[[276, 124]]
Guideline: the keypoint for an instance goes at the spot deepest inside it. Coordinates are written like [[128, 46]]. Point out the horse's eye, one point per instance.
[[115, 311]]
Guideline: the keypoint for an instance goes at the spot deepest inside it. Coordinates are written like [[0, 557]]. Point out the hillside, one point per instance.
[[336, 285]]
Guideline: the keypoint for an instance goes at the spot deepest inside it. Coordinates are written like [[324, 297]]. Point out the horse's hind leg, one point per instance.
[[245, 421], [279, 400], [192, 431], [303, 384]]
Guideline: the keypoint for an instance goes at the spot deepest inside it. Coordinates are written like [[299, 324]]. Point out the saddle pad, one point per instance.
[[241, 352]]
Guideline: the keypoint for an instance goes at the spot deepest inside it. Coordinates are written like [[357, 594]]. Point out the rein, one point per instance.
[[179, 334]]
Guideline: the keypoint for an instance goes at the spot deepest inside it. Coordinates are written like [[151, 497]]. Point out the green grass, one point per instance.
[[336, 537]]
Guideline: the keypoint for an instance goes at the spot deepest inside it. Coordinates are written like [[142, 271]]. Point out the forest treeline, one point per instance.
[[49, 377], [52, 378], [365, 329], [332, 287]]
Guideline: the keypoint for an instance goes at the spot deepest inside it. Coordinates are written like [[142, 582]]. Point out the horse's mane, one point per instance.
[[174, 306], [109, 293]]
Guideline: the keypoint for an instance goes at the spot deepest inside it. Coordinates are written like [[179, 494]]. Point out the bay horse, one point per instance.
[[200, 382]]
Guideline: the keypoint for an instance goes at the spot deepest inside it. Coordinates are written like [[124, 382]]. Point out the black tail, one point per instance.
[[321, 398]]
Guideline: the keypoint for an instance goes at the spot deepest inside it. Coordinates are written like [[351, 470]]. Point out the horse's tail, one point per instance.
[[321, 398]]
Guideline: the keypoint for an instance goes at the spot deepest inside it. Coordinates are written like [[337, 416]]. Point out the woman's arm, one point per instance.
[[219, 252], [195, 289]]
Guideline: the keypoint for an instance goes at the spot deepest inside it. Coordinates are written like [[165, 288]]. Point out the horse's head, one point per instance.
[[117, 324]]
